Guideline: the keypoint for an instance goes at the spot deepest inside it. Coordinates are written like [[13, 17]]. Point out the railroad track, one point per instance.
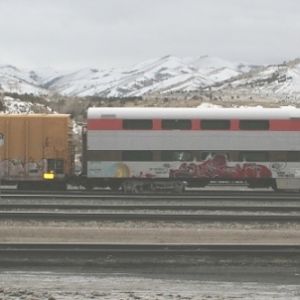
[[147, 207], [211, 196], [143, 256], [152, 249], [208, 208], [162, 217], [226, 207]]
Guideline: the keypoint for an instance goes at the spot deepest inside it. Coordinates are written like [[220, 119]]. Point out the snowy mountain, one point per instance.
[[279, 81], [161, 76], [166, 74], [19, 81]]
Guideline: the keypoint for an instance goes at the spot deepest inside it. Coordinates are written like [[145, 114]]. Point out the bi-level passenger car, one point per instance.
[[138, 148]]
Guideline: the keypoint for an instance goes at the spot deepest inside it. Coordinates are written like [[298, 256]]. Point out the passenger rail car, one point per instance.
[[146, 148]]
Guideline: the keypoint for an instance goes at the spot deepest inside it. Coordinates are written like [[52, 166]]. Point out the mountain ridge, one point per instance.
[[159, 76]]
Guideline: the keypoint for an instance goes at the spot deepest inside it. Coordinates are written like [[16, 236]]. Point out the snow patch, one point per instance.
[[16, 106]]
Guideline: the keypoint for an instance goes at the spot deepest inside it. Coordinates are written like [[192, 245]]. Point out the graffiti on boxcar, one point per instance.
[[16, 168]]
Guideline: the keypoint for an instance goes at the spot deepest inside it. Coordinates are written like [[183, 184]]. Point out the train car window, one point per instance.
[[254, 124], [176, 156], [203, 155], [293, 156], [176, 124], [215, 124], [278, 156], [254, 156], [210, 155], [103, 155], [55, 165], [137, 155], [137, 124]]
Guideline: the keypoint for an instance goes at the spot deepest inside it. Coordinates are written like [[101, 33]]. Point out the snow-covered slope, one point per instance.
[[162, 75], [10, 105], [165, 74], [280, 81], [159, 76], [15, 80]]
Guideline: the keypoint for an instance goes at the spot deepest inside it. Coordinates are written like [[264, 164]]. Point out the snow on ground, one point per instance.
[[205, 105], [68, 286], [16, 106], [209, 105]]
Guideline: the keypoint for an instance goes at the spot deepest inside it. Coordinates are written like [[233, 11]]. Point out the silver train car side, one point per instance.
[[153, 148]]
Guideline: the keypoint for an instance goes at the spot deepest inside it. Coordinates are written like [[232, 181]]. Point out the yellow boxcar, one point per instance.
[[35, 147]]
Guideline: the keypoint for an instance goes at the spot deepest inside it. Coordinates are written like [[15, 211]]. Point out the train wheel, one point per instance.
[[179, 187], [115, 187], [88, 186], [274, 186]]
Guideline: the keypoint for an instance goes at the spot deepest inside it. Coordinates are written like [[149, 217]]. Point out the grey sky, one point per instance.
[[111, 33]]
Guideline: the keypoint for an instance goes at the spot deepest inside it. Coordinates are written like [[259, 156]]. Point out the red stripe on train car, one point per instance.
[[156, 124], [104, 124], [285, 125], [117, 124], [235, 125], [195, 124]]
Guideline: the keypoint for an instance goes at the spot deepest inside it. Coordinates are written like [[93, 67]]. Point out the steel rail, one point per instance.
[[158, 207], [107, 192], [154, 249], [166, 217], [144, 197], [197, 191]]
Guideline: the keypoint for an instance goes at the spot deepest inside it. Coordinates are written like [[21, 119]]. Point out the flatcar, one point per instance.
[[160, 148]]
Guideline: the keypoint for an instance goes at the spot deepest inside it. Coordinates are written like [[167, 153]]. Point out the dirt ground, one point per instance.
[[146, 232]]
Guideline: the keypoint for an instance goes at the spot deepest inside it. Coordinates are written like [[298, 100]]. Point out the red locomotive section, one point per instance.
[[117, 124], [217, 167]]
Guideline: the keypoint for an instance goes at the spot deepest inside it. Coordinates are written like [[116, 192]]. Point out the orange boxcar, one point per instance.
[[35, 148]]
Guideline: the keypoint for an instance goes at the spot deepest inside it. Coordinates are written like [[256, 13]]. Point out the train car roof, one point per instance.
[[33, 115], [192, 113]]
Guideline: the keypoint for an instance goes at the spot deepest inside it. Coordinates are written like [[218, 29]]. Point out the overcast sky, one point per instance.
[[118, 33]]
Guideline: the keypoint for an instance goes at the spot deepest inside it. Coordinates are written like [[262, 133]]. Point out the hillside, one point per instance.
[[202, 78], [162, 75]]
